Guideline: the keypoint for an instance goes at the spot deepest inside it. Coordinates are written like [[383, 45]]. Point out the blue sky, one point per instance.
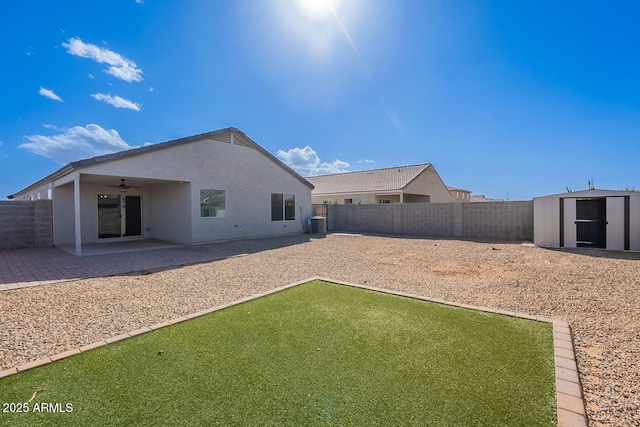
[[507, 99]]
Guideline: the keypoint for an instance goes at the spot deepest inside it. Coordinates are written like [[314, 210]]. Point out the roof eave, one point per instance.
[[63, 171], [92, 161]]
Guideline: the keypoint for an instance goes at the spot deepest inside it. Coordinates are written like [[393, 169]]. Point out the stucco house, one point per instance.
[[606, 219], [404, 184], [459, 194], [481, 198], [218, 185]]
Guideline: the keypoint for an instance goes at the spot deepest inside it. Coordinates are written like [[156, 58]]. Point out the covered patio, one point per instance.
[[99, 214]]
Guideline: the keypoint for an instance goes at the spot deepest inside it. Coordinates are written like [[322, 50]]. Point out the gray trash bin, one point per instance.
[[318, 225]]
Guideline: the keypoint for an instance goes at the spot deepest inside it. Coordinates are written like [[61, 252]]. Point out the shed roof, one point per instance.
[[387, 179], [592, 193], [220, 134]]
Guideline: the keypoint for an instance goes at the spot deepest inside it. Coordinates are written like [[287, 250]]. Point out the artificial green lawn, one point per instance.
[[315, 354]]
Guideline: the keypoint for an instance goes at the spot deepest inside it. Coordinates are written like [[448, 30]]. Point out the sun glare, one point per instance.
[[318, 9]]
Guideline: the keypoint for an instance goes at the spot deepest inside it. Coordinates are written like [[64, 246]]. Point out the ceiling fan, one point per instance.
[[123, 187]]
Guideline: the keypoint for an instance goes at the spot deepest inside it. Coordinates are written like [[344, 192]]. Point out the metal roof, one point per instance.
[[388, 179], [217, 134], [593, 193]]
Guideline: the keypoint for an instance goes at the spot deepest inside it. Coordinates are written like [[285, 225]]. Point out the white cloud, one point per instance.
[[139, 1], [119, 66], [49, 94], [365, 161], [116, 101], [76, 143], [151, 89], [53, 127], [91, 76], [306, 162]]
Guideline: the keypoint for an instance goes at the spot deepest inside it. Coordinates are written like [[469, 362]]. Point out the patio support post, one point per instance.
[[76, 208], [401, 197]]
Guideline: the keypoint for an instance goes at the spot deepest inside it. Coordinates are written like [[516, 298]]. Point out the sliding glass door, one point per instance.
[[119, 216]]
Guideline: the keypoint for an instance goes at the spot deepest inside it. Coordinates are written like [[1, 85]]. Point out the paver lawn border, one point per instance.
[[569, 397]]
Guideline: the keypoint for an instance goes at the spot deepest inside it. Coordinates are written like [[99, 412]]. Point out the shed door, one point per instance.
[[591, 220], [615, 223], [569, 222]]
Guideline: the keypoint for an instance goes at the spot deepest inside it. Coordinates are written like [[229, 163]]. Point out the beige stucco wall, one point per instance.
[[426, 188], [371, 198], [460, 195], [171, 210], [429, 183], [365, 198]]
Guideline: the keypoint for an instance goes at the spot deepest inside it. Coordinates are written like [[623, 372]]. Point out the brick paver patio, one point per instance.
[[21, 268]]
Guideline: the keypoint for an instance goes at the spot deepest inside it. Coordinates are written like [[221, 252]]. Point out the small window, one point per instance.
[[289, 207], [276, 207], [384, 201], [212, 203], [283, 207], [348, 201], [49, 194]]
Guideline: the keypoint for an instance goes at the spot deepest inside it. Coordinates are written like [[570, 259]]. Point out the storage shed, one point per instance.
[[606, 219]]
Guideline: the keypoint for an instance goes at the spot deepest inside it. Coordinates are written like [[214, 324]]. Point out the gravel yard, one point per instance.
[[597, 292]]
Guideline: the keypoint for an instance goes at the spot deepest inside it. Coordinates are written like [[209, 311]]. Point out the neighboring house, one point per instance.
[[459, 195], [605, 219], [219, 185], [481, 198], [403, 184]]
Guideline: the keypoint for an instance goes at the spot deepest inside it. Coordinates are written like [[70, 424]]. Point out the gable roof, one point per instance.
[[387, 179], [224, 135]]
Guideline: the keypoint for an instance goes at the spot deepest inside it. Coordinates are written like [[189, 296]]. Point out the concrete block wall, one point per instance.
[[26, 224], [495, 220], [498, 220], [361, 218], [427, 219]]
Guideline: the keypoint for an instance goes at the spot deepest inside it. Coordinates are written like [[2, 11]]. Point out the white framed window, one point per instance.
[[212, 203]]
